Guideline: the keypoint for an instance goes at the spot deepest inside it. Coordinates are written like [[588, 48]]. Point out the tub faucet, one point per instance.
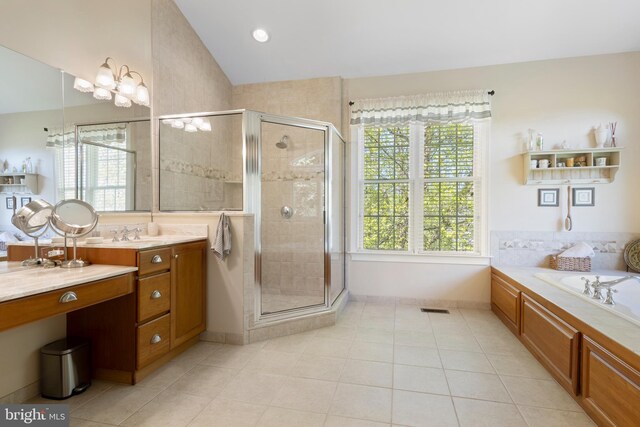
[[598, 286]]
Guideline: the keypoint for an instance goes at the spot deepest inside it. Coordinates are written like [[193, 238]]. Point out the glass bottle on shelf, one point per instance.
[[539, 142], [29, 167], [531, 143]]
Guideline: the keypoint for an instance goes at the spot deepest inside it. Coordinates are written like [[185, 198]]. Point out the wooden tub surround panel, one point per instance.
[[601, 375]]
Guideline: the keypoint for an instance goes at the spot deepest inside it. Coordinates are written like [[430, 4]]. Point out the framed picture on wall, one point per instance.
[[9, 202], [25, 200], [548, 197], [584, 196]]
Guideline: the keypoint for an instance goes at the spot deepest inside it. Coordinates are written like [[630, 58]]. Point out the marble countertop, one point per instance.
[[145, 242], [18, 282], [615, 327]]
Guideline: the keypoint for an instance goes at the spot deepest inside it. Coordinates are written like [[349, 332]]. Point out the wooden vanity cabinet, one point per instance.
[[555, 343], [188, 292], [610, 387], [505, 302], [136, 334]]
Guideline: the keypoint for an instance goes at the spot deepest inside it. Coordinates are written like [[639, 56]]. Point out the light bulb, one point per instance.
[[197, 121], [189, 127], [167, 122], [178, 124], [82, 85], [127, 86], [186, 120], [260, 35], [102, 94], [122, 101], [105, 77], [142, 95], [205, 126]]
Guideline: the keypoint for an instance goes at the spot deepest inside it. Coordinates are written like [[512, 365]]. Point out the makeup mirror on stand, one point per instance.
[[33, 220], [74, 218]]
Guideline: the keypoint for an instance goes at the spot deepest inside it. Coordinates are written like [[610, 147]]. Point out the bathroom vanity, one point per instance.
[[592, 353], [159, 315]]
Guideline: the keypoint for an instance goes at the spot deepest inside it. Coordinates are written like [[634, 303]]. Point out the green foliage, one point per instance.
[[448, 207]]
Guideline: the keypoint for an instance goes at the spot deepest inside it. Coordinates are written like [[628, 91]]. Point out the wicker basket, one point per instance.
[[570, 263]]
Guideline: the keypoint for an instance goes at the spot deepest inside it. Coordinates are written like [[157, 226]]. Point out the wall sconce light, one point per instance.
[[189, 124], [122, 84]]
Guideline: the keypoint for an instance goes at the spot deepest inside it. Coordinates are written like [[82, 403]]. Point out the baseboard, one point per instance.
[[22, 395], [223, 337], [422, 302]]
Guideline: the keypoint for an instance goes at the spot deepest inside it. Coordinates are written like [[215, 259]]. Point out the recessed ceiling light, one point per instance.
[[260, 35]]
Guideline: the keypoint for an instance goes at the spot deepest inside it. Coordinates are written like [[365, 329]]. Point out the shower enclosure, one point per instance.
[[289, 173]]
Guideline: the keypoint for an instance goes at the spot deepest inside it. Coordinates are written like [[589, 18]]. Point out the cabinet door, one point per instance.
[[188, 291], [610, 387], [505, 303], [554, 342]]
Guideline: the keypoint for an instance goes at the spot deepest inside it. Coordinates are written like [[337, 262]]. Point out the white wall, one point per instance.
[[77, 35], [562, 99], [22, 135]]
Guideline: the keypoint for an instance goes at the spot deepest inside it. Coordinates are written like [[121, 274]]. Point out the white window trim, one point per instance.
[[482, 133]]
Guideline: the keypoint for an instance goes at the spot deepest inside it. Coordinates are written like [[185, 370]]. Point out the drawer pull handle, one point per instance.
[[176, 256], [157, 259], [68, 297], [156, 339], [156, 294]]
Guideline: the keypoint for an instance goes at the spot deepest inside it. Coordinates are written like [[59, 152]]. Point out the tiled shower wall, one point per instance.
[[187, 79], [202, 170], [293, 249], [533, 248]]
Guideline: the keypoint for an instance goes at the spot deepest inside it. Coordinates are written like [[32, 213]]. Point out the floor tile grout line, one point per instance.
[[455, 411]]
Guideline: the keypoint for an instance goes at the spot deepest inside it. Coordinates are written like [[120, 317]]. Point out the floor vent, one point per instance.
[[435, 310]]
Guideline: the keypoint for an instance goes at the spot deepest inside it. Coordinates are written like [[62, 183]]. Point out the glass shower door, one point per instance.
[[292, 216]]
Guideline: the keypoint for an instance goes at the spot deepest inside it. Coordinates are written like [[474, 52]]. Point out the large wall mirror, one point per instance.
[[57, 142]]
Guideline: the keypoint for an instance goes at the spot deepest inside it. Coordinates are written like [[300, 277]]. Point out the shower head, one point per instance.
[[283, 143]]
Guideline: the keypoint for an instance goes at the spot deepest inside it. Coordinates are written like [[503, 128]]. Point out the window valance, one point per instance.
[[438, 107]]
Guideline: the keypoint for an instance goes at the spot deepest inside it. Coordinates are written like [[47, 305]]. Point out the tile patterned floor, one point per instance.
[[380, 365]]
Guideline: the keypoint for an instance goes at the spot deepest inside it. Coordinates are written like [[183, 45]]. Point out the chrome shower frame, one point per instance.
[[251, 201], [252, 156]]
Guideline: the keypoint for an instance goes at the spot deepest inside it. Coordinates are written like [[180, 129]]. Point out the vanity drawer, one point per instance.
[[153, 261], [154, 296], [24, 310], [153, 340]]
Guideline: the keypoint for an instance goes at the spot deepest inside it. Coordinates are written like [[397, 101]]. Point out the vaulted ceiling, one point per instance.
[[356, 38]]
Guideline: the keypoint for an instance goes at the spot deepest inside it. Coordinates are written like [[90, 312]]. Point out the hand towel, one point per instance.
[[581, 250], [222, 243]]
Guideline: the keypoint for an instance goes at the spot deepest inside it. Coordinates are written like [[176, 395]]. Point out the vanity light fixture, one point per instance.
[[189, 124], [83, 85], [123, 85], [260, 35]]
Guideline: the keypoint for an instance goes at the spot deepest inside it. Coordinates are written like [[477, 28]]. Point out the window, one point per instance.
[[419, 188], [106, 167]]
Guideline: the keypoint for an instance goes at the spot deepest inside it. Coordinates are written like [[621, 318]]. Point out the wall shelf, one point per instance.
[[21, 183], [586, 174]]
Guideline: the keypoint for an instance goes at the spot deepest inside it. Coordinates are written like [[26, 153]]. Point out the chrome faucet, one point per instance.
[[598, 286], [125, 234]]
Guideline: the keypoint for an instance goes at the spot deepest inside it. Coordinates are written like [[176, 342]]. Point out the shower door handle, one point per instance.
[[286, 212]]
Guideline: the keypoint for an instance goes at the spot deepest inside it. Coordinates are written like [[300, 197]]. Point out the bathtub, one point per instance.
[[627, 299]]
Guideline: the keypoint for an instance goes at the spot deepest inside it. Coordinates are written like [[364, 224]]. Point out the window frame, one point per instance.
[[416, 181]]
